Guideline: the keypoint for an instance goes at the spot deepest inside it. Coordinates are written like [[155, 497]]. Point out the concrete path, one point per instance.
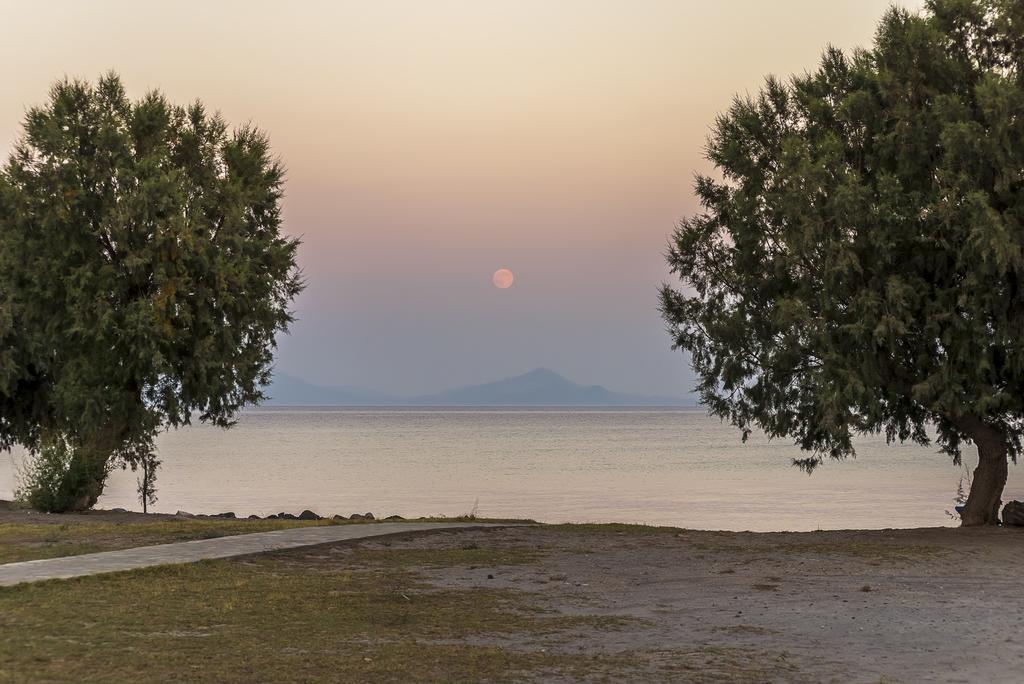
[[204, 549]]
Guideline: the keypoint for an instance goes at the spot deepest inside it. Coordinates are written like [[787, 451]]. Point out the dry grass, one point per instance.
[[865, 550], [359, 615], [31, 541], [38, 538]]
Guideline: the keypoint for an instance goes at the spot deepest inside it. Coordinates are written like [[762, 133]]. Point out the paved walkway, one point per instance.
[[204, 549]]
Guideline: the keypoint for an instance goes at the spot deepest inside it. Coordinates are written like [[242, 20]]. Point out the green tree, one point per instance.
[[858, 266], [143, 277]]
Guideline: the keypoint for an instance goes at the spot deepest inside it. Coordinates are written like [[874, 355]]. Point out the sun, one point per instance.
[[503, 279]]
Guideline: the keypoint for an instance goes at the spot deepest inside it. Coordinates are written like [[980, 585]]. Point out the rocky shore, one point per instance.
[[304, 515]]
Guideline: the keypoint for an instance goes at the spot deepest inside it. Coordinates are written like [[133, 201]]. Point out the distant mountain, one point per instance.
[[286, 390], [540, 387]]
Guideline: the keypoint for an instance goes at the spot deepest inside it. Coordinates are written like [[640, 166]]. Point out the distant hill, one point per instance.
[[286, 390], [540, 387]]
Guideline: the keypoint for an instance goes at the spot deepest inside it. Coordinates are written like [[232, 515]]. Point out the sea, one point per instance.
[[654, 466]]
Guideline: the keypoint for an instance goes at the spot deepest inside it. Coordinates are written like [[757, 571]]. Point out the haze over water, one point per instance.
[[430, 143], [669, 467]]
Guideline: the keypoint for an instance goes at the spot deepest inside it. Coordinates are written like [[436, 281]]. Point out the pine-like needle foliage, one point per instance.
[[859, 264], [143, 277]]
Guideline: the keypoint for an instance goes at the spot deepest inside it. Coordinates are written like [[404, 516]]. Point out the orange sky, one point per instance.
[[430, 143]]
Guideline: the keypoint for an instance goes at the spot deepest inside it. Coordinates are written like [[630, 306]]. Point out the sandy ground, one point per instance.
[[940, 605]]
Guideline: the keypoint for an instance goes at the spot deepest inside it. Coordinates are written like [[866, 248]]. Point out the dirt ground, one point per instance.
[[853, 606], [639, 603], [13, 513]]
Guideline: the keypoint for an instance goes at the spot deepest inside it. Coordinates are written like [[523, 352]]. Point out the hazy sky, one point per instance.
[[431, 143]]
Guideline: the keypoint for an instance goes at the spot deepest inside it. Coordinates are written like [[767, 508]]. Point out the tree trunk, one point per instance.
[[986, 493], [83, 483]]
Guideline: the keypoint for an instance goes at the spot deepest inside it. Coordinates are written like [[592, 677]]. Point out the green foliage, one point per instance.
[[859, 264], [143, 274], [147, 464], [54, 480]]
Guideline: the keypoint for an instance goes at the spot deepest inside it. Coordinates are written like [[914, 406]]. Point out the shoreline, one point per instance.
[[13, 512]]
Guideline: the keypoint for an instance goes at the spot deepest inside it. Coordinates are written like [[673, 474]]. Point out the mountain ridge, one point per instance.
[[538, 387]]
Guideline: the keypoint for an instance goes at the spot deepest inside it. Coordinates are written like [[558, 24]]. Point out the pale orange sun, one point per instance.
[[503, 278]]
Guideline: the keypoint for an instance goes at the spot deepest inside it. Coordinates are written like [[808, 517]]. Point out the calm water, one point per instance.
[[653, 466]]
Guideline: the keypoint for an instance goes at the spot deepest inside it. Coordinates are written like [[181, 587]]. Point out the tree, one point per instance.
[[143, 277], [146, 483], [858, 267]]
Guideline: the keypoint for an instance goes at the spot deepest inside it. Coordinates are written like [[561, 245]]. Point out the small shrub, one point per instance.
[[51, 480], [961, 494], [147, 463]]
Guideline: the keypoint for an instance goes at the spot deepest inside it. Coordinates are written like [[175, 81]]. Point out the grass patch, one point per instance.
[[711, 664], [473, 519], [370, 611], [37, 540], [31, 541], [625, 529], [266, 619], [868, 550], [458, 557]]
